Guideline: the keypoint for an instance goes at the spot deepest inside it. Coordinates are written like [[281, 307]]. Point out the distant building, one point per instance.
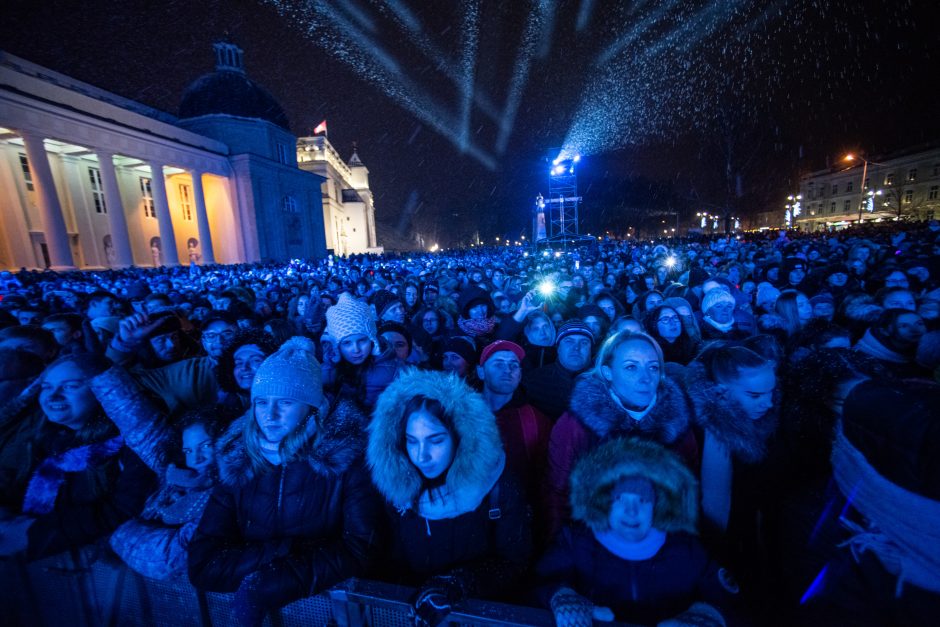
[[348, 210], [904, 185], [89, 179]]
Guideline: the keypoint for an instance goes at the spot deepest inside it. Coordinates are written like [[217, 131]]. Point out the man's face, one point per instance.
[[901, 300], [61, 330], [501, 373], [28, 317], [216, 337], [574, 352], [398, 343], [166, 346]]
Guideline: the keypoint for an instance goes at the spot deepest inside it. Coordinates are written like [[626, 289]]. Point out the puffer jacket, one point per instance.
[[291, 530], [155, 543], [647, 589], [595, 416], [474, 533], [369, 380]]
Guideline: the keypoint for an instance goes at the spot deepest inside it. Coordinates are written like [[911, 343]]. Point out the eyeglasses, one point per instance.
[[668, 320], [212, 336]]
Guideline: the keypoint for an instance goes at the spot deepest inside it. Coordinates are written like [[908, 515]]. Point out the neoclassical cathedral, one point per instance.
[[89, 179]]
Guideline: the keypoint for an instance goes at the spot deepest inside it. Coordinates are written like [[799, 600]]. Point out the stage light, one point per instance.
[[577, 158]]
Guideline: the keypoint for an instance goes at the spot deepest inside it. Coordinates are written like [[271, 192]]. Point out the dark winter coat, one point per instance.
[[525, 432], [746, 443], [643, 591], [595, 416], [475, 531], [91, 503], [296, 528], [549, 388]]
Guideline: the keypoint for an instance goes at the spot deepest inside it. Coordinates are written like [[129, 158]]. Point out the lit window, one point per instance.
[[889, 179], [146, 195], [867, 183], [186, 201], [847, 206], [912, 174], [933, 192], [97, 191], [27, 174], [908, 196]]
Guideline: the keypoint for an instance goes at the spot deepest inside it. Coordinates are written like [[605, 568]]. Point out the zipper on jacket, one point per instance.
[[427, 524], [280, 490]]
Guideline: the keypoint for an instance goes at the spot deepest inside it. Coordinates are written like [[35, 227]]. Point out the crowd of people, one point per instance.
[[714, 431]]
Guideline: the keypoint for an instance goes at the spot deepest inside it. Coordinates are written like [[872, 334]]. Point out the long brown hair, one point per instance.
[[289, 447]]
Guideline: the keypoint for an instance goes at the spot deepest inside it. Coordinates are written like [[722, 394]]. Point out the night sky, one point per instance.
[[455, 104]]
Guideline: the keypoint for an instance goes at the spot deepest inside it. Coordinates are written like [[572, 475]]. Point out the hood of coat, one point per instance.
[[593, 404], [339, 441], [596, 473], [479, 455], [725, 420]]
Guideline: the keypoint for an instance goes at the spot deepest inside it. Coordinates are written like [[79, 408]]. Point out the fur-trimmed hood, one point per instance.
[[593, 404], [718, 415], [338, 442], [675, 485], [479, 458]]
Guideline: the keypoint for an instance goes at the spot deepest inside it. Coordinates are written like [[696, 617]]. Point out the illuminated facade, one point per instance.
[[89, 179], [348, 210], [906, 185]]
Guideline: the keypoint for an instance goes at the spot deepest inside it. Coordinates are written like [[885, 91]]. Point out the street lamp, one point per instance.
[[861, 203]]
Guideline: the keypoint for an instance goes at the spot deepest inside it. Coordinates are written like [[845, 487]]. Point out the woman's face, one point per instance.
[[803, 308], [65, 398], [901, 300], [539, 332], [753, 390], [247, 358], [452, 362], [631, 516], [429, 444], [909, 328], [652, 300], [668, 324], [411, 295], [430, 323], [478, 312], [198, 449], [302, 302], [355, 348], [607, 306], [278, 416], [634, 373]]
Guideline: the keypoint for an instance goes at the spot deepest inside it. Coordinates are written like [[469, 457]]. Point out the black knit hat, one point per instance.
[[574, 327]]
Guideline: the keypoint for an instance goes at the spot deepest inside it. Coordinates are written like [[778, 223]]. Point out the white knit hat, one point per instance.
[[715, 296], [350, 317]]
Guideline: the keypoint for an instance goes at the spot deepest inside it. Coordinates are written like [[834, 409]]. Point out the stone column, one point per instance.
[[50, 210], [202, 219], [117, 221], [170, 256]]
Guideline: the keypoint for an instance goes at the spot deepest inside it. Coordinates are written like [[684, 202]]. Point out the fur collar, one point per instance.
[[480, 453], [720, 416], [339, 441], [874, 347], [595, 408], [676, 489]]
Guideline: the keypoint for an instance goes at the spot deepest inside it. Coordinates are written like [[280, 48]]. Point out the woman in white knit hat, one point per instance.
[[357, 364], [296, 511]]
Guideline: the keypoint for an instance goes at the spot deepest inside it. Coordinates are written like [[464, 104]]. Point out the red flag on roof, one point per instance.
[[321, 128]]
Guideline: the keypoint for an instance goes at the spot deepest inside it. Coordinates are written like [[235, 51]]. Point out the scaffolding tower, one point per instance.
[[562, 204]]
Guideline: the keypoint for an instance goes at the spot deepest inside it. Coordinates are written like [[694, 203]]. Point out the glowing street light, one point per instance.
[[861, 203]]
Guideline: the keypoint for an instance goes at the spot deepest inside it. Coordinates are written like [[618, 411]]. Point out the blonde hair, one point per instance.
[[288, 448], [606, 353]]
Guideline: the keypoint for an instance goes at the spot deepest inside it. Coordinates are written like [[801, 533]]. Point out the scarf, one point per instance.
[[724, 327], [476, 328], [50, 475], [633, 551], [873, 347], [902, 530], [636, 414]]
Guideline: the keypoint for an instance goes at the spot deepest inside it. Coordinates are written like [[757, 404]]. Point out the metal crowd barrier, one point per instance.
[[93, 588]]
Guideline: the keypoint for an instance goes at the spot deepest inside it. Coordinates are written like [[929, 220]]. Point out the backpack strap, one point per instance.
[[495, 513]]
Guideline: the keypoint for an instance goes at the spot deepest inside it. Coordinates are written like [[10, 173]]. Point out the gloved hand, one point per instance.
[[431, 607], [573, 610]]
